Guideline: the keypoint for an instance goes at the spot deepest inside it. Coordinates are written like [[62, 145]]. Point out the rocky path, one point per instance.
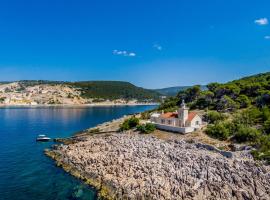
[[135, 166]]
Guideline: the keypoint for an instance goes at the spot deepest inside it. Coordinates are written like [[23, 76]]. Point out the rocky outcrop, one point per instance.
[[130, 166], [227, 154]]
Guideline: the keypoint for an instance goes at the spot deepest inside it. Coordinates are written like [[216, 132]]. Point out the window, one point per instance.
[[169, 122], [197, 122], [162, 121]]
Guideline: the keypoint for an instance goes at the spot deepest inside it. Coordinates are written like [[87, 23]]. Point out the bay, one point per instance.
[[25, 172]]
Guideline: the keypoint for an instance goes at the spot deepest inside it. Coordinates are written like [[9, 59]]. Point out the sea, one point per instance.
[[25, 172]]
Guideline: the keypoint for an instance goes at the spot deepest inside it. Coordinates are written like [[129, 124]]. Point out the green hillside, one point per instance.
[[238, 111], [102, 89], [114, 90]]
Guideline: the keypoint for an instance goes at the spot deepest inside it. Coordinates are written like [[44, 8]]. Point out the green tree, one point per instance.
[[213, 87], [226, 104], [231, 90], [205, 99], [169, 103], [190, 94]]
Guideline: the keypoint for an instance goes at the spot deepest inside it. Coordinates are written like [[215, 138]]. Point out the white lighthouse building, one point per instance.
[[181, 121]]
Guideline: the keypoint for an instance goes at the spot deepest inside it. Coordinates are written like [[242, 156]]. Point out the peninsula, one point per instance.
[[224, 157], [162, 165]]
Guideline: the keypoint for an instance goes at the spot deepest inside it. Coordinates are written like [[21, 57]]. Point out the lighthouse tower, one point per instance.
[[183, 114]]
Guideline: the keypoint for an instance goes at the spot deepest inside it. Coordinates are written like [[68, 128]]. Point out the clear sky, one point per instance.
[[151, 43]]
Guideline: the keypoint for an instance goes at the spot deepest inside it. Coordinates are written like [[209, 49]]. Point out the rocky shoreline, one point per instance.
[[135, 166]]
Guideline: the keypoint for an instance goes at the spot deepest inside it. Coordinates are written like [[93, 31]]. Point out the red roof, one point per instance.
[[169, 115], [191, 115]]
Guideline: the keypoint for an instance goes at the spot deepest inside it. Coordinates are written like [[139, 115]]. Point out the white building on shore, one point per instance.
[[181, 121]]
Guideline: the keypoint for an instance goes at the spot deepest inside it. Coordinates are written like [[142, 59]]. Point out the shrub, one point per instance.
[[2, 99], [214, 116], [247, 117], [146, 128], [219, 130], [246, 134], [95, 130], [265, 113], [243, 101], [266, 126], [129, 123], [263, 150]]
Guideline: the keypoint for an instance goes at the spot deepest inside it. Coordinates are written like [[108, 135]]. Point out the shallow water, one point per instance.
[[25, 172]]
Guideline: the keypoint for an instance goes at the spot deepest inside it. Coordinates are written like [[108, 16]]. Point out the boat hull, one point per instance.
[[43, 139]]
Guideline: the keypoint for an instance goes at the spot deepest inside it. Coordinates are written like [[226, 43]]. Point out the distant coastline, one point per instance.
[[79, 105]]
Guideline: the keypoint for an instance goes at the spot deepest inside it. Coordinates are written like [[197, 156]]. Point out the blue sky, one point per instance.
[[153, 43]]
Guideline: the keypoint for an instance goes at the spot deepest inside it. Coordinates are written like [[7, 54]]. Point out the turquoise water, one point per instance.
[[25, 172]]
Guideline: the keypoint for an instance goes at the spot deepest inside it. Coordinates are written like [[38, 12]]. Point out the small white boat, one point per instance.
[[41, 135], [43, 138]]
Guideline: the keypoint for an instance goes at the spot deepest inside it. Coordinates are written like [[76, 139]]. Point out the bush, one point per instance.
[[243, 101], [246, 134], [129, 124], [265, 113], [2, 99], [263, 150], [247, 117], [219, 130], [214, 116], [146, 128], [266, 126]]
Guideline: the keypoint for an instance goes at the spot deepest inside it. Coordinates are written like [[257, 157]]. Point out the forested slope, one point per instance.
[[238, 111]]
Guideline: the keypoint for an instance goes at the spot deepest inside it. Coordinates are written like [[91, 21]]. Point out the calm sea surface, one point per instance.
[[25, 172]]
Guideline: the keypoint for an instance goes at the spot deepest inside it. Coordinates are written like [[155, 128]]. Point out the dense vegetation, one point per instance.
[[27, 83], [115, 90], [238, 111]]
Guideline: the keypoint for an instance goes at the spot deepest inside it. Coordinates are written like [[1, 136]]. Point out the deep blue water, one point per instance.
[[25, 172]]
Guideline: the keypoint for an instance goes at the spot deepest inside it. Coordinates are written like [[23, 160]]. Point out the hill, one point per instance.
[[237, 111], [58, 92], [172, 91], [114, 90]]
